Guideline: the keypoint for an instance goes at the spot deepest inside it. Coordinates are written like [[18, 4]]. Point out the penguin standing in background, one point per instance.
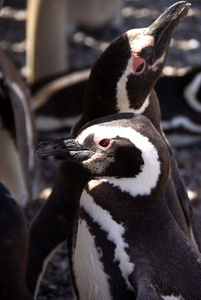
[[121, 80], [180, 102], [17, 133], [13, 248], [127, 244]]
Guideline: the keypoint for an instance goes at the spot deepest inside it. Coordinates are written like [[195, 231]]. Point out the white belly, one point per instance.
[[91, 280]]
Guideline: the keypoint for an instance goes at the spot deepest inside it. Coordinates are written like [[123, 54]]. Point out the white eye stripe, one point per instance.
[[148, 178], [141, 40]]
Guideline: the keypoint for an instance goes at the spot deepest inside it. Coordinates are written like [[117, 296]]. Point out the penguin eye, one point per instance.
[[140, 69], [104, 143]]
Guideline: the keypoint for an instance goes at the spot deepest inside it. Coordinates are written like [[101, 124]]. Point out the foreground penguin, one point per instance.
[[127, 245], [121, 80], [13, 249]]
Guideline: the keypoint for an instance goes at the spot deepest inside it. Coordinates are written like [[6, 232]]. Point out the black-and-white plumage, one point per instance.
[[13, 248], [17, 132], [128, 245], [121, 80], [180, 102]]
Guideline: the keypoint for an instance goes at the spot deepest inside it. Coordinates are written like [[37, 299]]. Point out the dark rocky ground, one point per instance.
[[84, 49]]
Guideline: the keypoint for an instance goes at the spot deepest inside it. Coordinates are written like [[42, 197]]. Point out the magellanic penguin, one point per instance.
[[128, 245], [59, 103], [17, 132], [180, 102], [13, 248], [121, 80]]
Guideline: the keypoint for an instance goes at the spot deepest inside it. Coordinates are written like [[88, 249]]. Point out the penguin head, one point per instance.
[[126, 72], [124, 145]]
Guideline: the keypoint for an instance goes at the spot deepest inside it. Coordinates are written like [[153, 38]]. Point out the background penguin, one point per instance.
[[128, 245], [13, 248], [180, 102], [134, 78], [59, 103], [179, 98], [17, 132]]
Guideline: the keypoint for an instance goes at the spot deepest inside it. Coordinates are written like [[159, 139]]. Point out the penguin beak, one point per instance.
[[67, 149], [163, 28]]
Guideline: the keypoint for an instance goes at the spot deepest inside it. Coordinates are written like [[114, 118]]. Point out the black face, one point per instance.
[[109, 146], [139, 56], [100, 95], [103, 156], [149, 49], [115, 157]]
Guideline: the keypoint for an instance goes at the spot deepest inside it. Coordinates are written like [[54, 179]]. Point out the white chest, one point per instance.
[[91, 280]]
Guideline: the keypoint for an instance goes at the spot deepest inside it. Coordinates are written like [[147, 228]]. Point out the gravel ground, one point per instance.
[[84, 48]]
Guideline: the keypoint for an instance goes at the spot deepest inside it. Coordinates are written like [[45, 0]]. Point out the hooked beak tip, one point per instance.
[[170, 19]]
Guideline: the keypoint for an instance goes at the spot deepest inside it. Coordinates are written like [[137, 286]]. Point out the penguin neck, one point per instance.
[[153, 112], [97, 106], [122, 193]]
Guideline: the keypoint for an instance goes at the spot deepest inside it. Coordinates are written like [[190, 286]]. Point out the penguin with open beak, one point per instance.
[[127, 244], [121, 80]]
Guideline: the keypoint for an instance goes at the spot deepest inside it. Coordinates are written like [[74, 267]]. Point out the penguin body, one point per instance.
[[121, 80], [127, 245], [17, 133], [127, 86], [13, 248], [180, 102]]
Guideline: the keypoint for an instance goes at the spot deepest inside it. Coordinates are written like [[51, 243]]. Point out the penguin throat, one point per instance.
[[139, 186]]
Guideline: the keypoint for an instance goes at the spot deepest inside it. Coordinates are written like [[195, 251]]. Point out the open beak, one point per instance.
[[163, 28], [67, 149]]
